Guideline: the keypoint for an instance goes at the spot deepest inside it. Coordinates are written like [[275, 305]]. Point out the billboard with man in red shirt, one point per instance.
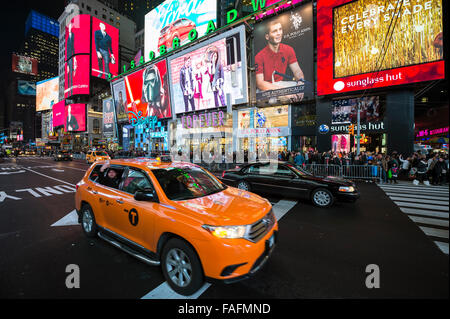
[[284, 57]]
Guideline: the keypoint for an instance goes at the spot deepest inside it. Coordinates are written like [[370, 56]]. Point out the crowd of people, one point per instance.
[[431, 168]]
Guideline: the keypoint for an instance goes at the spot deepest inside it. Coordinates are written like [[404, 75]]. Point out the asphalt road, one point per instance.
[[321, 253]]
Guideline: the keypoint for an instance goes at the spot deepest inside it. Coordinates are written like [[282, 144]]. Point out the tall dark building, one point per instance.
[[137, 9], [40, 43]]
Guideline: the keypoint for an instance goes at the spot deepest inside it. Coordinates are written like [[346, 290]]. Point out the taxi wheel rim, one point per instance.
[[243, 186], [179, 267], [87, 221], [322, 198]]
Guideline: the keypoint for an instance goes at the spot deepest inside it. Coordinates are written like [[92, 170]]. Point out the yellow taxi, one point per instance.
[[178, 216], [95, 155]]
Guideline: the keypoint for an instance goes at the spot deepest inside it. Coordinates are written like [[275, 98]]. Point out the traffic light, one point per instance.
[[351, 129]]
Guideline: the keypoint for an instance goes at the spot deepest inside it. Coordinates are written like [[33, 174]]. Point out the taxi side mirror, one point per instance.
[[146, 196]]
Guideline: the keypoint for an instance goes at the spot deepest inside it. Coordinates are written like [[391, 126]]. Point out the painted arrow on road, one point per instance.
[[70, 219], [9, 173]]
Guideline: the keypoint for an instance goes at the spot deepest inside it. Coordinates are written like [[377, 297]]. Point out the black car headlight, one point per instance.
[[346, 189]]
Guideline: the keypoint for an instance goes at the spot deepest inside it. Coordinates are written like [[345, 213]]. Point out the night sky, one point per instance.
[[12, 24]]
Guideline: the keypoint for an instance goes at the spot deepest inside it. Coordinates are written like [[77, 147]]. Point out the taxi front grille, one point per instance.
[[259, 229]]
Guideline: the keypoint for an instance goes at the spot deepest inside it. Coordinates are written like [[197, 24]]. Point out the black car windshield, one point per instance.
[[299, 170], [187, 182], [100, 153]]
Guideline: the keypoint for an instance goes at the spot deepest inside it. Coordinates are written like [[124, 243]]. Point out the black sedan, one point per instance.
[[62, 156], [290, 180]]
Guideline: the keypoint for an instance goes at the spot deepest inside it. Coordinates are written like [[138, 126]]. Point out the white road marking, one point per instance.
[[438, 197], [429, 221], [50, 177], [419, 200], [57, 170], [68, 220], [442, 233], [442, 246], [9, 173], [424, 212], [164, 291]]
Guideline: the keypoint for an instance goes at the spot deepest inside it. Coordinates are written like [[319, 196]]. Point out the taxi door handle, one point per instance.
[[92, 191], [119, 201]]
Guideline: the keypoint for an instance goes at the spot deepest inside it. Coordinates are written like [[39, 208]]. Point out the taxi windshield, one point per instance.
[[187, 183]]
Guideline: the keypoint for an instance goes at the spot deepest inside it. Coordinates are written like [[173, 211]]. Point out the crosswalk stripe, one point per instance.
[[427, 206], [418, 190], [435, 232], [429, 221], [419, 200], [432, 187], [442, 246], [424, 212], [390, 194]]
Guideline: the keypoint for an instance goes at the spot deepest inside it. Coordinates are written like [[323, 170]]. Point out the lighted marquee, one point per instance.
[[351, 51]]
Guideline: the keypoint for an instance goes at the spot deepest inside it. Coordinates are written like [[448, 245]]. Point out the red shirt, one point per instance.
[[268, 61]]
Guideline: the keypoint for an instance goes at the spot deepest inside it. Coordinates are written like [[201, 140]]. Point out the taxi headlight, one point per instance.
[[347, 189], [227, 231]]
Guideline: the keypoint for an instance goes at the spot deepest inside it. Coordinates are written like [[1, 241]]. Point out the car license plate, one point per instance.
[[271, 240]]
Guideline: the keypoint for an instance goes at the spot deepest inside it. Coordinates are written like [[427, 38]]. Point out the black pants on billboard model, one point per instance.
[[187, 100], [106, 59], [70, 78]]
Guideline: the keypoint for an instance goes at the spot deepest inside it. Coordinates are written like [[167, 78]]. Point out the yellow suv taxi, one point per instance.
[[177, 216], [94, 156]]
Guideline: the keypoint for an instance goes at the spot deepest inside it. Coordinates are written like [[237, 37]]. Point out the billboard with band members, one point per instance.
[[175, 19], [105, 49], [345, 111], [75, 118], [120, 100], [367, 44], [77, 76], [78, 36], [58, 113], [211, 74], [108, 118], [147, 92], [23, 64], [47, 94], [284, 59]]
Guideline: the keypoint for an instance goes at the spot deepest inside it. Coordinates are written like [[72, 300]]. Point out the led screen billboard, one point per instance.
[[284, 59], [47, 94], [58, 112], [147, 92], [75, 118], [368, 44], [77, 76], [105, 49], [26, 87], [23, 64], [174, 18], [78, 36], [345, 111], [120, 100], [108, 118], [211, 74]]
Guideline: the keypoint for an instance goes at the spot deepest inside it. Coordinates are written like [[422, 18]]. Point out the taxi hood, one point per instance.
[[229, 207]]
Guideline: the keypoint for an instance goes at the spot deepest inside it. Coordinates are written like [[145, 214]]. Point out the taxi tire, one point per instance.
[[93, 232], [197, 277]]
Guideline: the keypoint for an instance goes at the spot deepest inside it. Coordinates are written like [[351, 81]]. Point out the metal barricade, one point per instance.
[[363, 172]]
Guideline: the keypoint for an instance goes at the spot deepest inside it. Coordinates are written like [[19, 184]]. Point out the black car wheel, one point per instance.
[[243, 185], [181, 267], [88, 221], [322, 197]]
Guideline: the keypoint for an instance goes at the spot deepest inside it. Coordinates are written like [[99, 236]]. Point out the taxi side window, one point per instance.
[[136, 180], [95, 174]]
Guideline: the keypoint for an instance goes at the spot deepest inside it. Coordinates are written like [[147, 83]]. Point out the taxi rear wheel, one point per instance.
[[88, 221], [181, 267]]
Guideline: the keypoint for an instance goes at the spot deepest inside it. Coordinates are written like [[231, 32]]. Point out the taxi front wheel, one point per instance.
[[181, 267], [88, 221]]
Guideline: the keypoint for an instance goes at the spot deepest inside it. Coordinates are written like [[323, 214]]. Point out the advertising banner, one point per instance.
[[108, 118], [284, 57], [368, 44], [78, 36], [174, 18], [58, 112], [211, 74], [105, 49], [77, 76], [340, 143], [272, 11], [47, 94], [75, 118], [120, 100], [147, 93], [23, 64], [345, 111], [26, 87]]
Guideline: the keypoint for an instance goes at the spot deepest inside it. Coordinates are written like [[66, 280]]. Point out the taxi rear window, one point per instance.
[[94, 176]]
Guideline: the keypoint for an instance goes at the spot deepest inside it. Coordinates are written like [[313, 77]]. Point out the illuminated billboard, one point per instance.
[[210, 74], [58, 112], [174, 19], [368, 44], [75, 118], [77, 76], [78, 36], [147, 92], [47, 93], [284, 59], [26, 87], [120, 100], [108, 118], [23, 64], [105, 49]]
